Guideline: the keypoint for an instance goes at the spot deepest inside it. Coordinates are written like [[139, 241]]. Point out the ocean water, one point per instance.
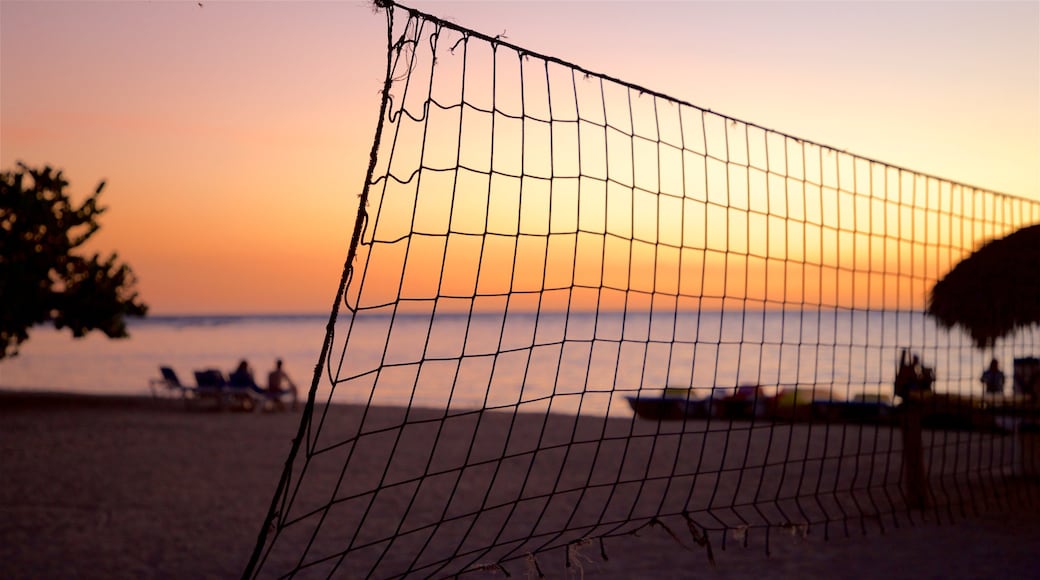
[[52, 360], [578, 363]]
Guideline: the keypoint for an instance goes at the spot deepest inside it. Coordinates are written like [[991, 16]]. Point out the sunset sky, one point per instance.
[[234, 136]]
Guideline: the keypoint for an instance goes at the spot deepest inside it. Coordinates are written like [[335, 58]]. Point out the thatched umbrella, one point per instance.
[[994, 291]]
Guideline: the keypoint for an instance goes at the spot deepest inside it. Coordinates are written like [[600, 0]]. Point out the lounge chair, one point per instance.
[[209, 386], [275, 400], [169, 385], [210, 379], [229, 393]]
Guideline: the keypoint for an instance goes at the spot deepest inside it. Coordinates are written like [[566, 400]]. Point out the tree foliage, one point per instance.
[[42, 277]]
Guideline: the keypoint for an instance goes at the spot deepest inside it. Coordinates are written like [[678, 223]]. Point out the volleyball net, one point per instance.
[[574, 308]]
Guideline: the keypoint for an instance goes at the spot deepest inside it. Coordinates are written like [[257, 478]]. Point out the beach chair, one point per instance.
[[275, 400], [169, 385], [213, 386], [210, 380], [209, 387], [243, 391]]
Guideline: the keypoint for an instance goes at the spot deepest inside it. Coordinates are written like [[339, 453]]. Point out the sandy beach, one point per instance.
[[124, 487]]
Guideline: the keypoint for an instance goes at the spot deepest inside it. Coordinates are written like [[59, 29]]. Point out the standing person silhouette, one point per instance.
[[278, 382], [993, 378]]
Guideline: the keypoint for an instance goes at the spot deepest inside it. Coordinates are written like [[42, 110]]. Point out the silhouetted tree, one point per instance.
[[42, 278]]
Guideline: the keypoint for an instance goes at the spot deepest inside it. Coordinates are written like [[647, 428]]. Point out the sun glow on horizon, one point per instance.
[[234, 140]]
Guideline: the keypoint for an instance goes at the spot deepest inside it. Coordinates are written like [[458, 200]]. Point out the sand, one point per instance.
[[118, 487]]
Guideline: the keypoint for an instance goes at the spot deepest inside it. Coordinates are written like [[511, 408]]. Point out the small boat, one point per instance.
[[671, 404]]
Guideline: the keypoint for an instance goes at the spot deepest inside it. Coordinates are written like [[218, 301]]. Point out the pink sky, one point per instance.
[[234, 136]]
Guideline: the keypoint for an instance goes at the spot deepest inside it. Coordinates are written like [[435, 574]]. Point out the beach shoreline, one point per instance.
[[123, 486]]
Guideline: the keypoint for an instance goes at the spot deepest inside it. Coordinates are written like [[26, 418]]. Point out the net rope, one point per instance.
[[575, 309]]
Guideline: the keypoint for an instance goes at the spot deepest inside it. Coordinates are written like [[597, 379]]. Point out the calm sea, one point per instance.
[[848, 352], [54, 361]]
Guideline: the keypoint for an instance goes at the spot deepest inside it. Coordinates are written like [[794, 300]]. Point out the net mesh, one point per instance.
[[574, 308]]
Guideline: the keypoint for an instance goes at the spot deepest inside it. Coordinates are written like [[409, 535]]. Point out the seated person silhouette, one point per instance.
[[242, 377], [279, 383], [242, 387]]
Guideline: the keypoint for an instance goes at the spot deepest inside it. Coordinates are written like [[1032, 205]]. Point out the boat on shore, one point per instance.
[[797, 403], [939, 411]]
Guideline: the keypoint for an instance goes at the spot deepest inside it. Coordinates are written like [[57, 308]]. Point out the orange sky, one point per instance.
[[234, 137]]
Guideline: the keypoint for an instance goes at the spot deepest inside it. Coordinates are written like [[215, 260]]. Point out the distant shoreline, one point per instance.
[[176, 318], [414, 309]]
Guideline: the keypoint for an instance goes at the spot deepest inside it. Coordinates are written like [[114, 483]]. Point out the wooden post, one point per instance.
[[914, 481]]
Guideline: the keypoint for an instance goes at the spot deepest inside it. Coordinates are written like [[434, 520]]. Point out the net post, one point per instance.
[[915, 483]]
